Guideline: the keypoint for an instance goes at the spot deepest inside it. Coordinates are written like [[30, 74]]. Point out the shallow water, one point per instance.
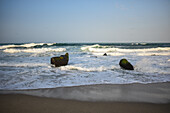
[[27, 66]]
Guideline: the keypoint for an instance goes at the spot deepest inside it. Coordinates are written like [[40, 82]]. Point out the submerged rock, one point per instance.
[[60, 61], [126, 65]]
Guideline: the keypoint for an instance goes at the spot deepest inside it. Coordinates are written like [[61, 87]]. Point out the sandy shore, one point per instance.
[[117, 98], [18, 103], [147, 93]]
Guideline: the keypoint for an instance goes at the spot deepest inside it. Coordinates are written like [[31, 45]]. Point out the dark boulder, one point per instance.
[[105, 54], [126, 65], [60, 61]]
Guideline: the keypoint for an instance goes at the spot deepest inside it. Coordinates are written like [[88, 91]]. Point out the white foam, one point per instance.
[[143, 43], [109, 54], [37, 50], [30, 44], [87, 47], [104, 49], [32, 71], [148, 66], [24, 45], [87, 69], [23, 64], [154, 54], [144, 50], [7, 46]]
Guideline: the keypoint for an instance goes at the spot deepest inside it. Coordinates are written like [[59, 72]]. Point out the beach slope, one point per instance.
[[18, 103]]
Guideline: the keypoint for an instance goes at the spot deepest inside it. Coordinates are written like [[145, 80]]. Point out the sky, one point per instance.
[[75, 21]]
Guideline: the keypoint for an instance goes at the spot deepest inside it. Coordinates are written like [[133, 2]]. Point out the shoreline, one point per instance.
[[148, 93], [19, 103]]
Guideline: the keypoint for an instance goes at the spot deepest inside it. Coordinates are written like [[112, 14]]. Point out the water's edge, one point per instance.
[[27, 66], [136, 92]]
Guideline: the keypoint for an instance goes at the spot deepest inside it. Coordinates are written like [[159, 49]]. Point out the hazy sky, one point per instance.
[[84, 21]]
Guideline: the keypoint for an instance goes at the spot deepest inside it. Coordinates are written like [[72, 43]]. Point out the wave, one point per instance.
[[138, 43], [95, 45], [145, 65], [37, 50], [109, 54], [154, 54], [39, 45], [103, 49], [23, 64], [29, 45], [87, 69]]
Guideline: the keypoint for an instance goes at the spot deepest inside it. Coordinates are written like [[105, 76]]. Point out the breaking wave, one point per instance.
[[38, 50], [23, 64], [144, 66], [27, 66], [87, 69], [117, 51], [98, 48], [29, 45]]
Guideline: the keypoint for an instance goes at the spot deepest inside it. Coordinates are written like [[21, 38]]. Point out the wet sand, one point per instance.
[[148, 93], [18, 103], [117, 98]]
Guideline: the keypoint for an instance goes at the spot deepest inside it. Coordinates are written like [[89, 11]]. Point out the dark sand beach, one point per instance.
[[31, 104], [131, 98]]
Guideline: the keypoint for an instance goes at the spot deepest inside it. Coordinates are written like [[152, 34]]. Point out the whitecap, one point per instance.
[[87, 69], [109, 54], [105, 49], [30, 45], [92, 46], [37, 50], [24, 45], [143, 43], [150, 66], [154, 54], [7, 46], [23, 64]]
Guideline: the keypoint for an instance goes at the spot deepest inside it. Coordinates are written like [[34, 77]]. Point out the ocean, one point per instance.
[[27, 65]]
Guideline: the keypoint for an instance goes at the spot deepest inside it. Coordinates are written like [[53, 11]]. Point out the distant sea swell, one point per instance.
[[92, 47]]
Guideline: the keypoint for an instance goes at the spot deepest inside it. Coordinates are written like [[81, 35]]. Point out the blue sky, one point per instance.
[[84, 21]]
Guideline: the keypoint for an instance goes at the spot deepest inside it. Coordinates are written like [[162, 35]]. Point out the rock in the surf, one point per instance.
[[126, 65], [105, 54], [60, 61]]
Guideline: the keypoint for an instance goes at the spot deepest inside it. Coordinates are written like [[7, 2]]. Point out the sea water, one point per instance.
[[27, 65]]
